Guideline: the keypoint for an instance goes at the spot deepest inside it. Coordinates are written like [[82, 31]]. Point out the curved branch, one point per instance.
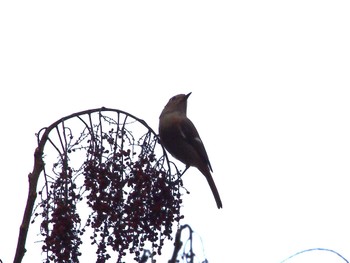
[[178, 243], [39, 166]]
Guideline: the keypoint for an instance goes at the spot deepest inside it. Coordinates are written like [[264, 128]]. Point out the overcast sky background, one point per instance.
[[270, 83]]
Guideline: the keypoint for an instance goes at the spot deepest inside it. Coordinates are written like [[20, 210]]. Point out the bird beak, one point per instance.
[[188, 95]]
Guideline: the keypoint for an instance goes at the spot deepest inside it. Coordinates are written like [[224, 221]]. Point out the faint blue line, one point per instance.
[[313, 249]]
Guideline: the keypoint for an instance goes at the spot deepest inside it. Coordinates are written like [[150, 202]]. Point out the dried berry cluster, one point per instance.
[[133, 199], [132, 203], [63, 240]]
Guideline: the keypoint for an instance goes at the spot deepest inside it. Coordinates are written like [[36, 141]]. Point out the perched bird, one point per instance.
[[180, 137]]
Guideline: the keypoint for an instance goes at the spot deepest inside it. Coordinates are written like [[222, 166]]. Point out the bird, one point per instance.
[[180, 138]]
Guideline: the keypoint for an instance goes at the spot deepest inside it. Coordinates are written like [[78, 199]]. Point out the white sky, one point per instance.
[[271, 92]]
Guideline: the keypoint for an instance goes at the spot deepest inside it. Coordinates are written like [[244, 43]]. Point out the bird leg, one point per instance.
[[187, 166]]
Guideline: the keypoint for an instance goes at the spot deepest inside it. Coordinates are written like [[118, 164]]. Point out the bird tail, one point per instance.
[[213, 188]]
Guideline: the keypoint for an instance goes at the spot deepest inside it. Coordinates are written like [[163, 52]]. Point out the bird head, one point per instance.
[[177, 103]]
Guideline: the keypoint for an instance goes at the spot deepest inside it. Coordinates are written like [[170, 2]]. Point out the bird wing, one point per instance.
[[190, 133]]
